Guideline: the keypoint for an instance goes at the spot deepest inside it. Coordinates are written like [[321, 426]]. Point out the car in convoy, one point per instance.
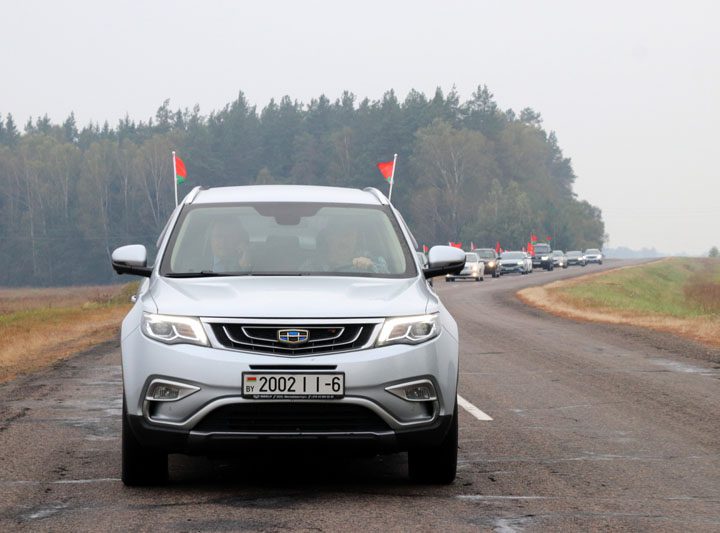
[[542, 256], [474, 269], [576, 258], [490, 258], [519, 262], [287, 314], [593, 255], [559, 259]]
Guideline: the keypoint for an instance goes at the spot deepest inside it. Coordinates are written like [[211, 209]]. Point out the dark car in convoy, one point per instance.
[[576, 258], [542, 256], [593, 255], [490, 258]]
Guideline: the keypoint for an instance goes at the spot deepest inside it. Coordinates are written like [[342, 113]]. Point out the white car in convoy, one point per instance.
[[519, 262], [593, 255], [474, 269], [288, 314]]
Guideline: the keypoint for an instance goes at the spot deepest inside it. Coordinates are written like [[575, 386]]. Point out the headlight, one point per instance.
[[491, 264], [409, 330], [520, 263], [544, 258], [174, 329]]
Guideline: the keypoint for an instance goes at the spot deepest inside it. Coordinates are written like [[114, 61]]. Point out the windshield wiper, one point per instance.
[[205, 274]]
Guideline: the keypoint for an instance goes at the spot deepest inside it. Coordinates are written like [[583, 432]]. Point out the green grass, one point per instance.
[[677, 287], [58, 311]]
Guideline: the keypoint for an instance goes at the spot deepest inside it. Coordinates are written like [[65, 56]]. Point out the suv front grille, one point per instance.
[[313, 339], [291, 418]]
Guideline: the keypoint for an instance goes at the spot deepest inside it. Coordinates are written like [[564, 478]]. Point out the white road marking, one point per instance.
[[470, 408]]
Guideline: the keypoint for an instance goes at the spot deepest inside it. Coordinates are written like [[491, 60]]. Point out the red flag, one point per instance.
[[456, 244], [533, 237], [531, 248], [425, 249], [497, 248], [180, 172], [386, 169], [548, 239]]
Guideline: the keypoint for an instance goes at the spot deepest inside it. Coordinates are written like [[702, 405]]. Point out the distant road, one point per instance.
[[593, 427]]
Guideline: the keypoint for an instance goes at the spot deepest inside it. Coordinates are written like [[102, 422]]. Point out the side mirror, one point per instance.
[[131, 259], [444, 260]]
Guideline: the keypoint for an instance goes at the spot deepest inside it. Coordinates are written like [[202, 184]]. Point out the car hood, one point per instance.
[[292, 297]]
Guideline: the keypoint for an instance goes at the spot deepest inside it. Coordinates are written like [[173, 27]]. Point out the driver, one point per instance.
[[229, 244]]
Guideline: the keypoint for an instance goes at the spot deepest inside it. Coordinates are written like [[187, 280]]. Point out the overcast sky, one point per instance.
[[632, 88]]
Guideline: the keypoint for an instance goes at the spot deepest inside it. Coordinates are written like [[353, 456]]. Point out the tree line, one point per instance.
[[467, 170]]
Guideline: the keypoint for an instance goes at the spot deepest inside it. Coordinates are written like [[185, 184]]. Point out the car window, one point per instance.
[[288, 238]]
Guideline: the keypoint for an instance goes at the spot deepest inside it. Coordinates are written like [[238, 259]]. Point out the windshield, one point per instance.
[[542, 248], [287, 239], [471, 258], [592, 251], [512, 255], [574, 254], [558, 253], [486, 254]]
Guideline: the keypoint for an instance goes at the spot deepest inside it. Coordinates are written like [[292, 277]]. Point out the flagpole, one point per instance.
[[392, 177], [175, 177]]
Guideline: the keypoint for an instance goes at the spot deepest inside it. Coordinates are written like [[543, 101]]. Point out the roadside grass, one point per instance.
[[41, 326], [679, 295]]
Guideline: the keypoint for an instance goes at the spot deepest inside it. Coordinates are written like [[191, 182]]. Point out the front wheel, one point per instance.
[[436, 464], [140, 466]]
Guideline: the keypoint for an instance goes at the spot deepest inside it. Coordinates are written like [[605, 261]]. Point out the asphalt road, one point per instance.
[[594, 428]]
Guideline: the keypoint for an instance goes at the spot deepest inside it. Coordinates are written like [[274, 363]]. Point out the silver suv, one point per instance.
[[288, 313]]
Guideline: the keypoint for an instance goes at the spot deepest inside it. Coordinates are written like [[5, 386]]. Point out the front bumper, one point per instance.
[[511, 268], [465, 275], [173, 425]]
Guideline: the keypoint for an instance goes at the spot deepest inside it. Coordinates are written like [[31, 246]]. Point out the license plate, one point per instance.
[[282, 386]]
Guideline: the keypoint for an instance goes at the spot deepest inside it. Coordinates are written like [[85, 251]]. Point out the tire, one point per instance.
[[482, 278], [436, 465], [140, 466]]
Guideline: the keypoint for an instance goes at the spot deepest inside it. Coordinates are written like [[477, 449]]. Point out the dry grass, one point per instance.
[[673, 295], [41, 326]]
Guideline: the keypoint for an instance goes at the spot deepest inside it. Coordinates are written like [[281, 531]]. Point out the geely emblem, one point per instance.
[[293, 336]]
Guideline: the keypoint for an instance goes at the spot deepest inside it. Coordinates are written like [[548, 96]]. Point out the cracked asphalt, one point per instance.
[[595, 427]]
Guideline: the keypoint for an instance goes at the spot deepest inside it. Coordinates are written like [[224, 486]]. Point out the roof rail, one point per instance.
[[377, 194], [192, 194]]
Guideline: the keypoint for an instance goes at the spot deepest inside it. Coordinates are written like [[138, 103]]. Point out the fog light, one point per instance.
[[165, 392], [161, 390], [415, 391], [419, 393]]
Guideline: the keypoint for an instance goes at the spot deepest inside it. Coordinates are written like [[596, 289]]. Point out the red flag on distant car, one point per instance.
[[497, 247], [456, 244], [425, 249], [533, 237]]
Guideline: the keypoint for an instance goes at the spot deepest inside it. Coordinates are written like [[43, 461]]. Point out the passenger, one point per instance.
[[340, 250], [229, 247]]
